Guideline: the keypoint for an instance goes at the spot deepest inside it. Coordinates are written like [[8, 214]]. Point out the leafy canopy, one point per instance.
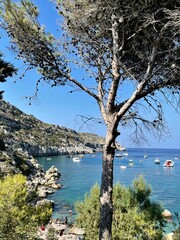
[[119, 44], [135, 215], [19, 218], [6, 70]]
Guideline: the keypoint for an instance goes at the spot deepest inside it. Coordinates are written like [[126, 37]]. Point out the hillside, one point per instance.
[[19, 130], [22, 137]]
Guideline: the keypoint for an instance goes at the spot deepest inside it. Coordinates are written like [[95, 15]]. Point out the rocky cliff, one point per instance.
[[23, 136], [24, 131]]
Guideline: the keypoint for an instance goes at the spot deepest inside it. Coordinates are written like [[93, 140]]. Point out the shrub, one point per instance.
[[135, 216], [19, 219]]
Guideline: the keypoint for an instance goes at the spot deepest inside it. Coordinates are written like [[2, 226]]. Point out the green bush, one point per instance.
[[135, 216], [176, 227], [19, 219]]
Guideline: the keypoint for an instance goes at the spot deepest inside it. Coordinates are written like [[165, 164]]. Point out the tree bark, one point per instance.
[[106, 204]]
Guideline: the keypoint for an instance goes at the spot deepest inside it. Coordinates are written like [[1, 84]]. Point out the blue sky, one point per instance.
[[58, 106]]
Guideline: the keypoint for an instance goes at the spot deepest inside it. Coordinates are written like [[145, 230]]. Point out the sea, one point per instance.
[[77, 178]]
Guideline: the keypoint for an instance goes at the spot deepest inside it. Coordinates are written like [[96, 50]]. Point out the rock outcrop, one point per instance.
[[22, 137], [41, 139], [166, 214], [18, 161]]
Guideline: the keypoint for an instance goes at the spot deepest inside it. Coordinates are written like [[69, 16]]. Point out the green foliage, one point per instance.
[[135, 216], [22, 19], [51, 234], [88, 213], [177, 227], [6, 70], [21, 163], [19, 219]]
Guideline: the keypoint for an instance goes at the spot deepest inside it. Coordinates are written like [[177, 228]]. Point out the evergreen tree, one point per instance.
[[125, 46], [6, 70], [135, 216]]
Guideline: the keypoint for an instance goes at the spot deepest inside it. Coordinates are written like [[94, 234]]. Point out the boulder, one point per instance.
[[77, 231], [56, 186], [170, 236], [44, 202], [70, 237], [43, 191], [52, 170], [166, 214]]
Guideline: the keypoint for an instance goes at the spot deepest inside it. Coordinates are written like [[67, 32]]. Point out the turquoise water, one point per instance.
[[78, 178]]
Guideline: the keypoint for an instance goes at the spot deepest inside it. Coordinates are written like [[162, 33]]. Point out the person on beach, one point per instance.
[[66, 220], [57, 221], [43, 228], [61, 232]]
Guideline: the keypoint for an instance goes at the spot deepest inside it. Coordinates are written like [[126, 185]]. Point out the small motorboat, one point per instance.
[[145, 156], [168, 163], [76, 159], [157, 161], [131, 160], [119, 155], [123, 167], [125, 154]]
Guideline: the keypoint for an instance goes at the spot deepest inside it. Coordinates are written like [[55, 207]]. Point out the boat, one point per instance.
[[125, 154], [157, 161], [76, 159], [168, 163], [145, 156], [120, 148], [119, 155], [131, 160], [48, 158], [123, 167]]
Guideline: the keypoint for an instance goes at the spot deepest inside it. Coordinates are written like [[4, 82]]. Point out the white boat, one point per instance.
[[48, 158], [157, 161], [168, 163], [145, 156], [125, 154], [119, 155], [123, 167], [76, 159], [120, 148]]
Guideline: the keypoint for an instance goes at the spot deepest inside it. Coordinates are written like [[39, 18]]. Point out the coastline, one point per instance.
[[78, 178]]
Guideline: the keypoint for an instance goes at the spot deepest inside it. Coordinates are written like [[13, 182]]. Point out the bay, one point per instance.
[[78, 178]]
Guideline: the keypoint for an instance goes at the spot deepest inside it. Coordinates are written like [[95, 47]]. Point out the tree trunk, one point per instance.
[[106, 206]]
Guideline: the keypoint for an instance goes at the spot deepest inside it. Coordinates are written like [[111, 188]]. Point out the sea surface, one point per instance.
[[78, 178]]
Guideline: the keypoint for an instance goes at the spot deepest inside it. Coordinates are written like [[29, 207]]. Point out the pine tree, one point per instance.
[[135, 216], [6, 70], [123, 47]]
